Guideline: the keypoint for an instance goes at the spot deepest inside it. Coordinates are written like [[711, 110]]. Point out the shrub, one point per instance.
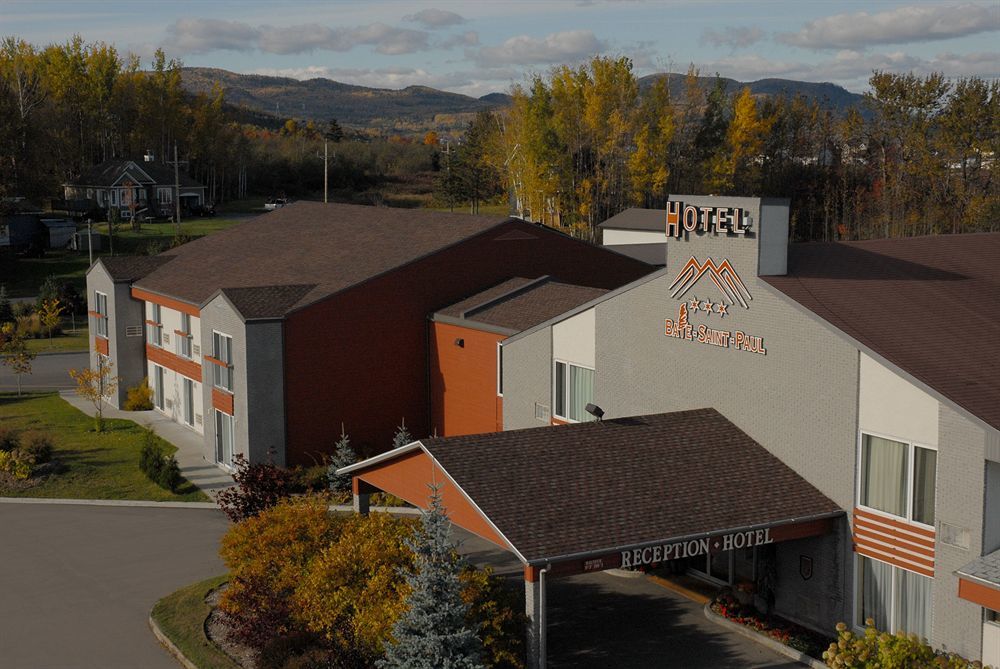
[[151, 456], [308, 479], [10, 438], [880, 649], [12, 463], [139, 397], [258, 488], [37, 448], [169, 477]]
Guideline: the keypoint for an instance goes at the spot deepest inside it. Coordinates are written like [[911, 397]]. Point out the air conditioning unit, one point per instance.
[[133, 330], [542, 412]]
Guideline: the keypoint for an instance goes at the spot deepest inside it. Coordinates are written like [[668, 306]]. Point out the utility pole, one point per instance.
[[177, 189], [326, 165]]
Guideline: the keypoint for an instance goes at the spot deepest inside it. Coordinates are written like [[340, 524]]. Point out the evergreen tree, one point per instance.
[[6, 310], [343, 456], [334, 132], [432, 633], [403, 436]]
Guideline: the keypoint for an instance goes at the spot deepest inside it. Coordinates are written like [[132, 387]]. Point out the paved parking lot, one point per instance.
[[48, 372]]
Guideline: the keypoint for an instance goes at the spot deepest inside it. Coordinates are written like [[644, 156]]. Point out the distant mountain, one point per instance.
[[268, 100], [829, 96], [411, 108]]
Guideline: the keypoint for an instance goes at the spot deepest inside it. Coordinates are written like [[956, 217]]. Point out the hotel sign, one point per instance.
[[683, 218], [639, 557]]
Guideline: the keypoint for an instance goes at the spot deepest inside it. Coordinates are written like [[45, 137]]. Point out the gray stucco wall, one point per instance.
[[957, 623], [818, 599], [258, 383], [527, 369], [128, 354]]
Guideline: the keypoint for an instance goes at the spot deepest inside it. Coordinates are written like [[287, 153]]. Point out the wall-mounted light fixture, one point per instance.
[[595, 411], [460, 342]]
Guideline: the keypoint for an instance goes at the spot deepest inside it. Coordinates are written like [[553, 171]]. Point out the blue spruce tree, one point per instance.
[[433, 633], [343, 456], [402, 437]]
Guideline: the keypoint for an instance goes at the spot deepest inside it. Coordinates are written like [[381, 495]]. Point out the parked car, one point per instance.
[[275, 203], [202, 210]]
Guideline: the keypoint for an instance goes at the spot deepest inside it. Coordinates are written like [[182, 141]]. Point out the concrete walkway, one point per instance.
[[190, 445]]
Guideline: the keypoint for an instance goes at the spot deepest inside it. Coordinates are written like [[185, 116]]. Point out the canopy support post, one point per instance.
[[534, 608], [362, 500]]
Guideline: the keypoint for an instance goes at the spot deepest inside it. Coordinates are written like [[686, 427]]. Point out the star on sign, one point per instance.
[[707, 306], [722, 308], [693, 304]]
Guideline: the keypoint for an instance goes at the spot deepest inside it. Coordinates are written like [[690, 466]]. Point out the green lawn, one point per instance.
[[95, 465], [181, 617], [70, 340], [130, 242]]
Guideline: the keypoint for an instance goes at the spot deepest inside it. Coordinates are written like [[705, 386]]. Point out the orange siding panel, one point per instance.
[[409, 477], [188, 368], [894, 541], [168, 302], [979, 594], [464, 381], [222, 401], [101, 345]]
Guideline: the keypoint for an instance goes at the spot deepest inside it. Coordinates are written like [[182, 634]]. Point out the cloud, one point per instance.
[[435, 18], [558, 47], [851, 69], [468, 38], [897, 26], [735, 38], [203, 35]]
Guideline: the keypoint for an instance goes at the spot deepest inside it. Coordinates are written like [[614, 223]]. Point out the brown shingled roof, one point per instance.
[[929, 305], [518, 304], [332, 246], [600, 487], [263, 302], [133, 268]]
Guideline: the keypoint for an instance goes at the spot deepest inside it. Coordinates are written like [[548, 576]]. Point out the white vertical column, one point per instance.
[[534, 608]]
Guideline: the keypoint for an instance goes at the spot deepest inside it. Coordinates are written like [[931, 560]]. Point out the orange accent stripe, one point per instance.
[[190, 369], [222, 401], [101, 345], [909, 527], [182, 333], [96, 314], [169, 302], [557, 421], [893, 536], [214, 361], [153, 323], [891, 546], [881, 557], [978, 593]]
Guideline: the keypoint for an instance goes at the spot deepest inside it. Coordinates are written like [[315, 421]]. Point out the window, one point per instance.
[[898, 478], [499, 369], [155, 326], [164, 195], [184, 336], [896, 599], [158, 387], [101, 320], [189, 401], [574, 390], [223, 438], [222, 351]]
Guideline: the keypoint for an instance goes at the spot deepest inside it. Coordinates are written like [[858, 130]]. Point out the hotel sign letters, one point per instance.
[[639, 557], [683, 218]]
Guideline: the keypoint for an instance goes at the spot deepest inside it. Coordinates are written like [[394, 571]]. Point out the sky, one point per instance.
[[482, 46]]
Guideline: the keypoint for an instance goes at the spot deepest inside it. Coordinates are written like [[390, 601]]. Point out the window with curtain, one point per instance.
[[896, 599], [573, 389], [898, 478], [101, 307], [155, 326], [222, 350], [874, 590]]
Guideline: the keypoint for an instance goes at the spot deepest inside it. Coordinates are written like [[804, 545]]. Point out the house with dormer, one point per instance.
[[128, 185]]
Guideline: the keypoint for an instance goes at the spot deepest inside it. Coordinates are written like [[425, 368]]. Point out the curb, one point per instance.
[[765, 641], [71, 352], [169, 645], [149, 504]]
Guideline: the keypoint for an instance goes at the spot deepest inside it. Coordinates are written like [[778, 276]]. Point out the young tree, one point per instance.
[[334, 132], [96, 384], [14, 353], [343, 456], [433, 632], [50, 314], [259, 487], [402, 437]]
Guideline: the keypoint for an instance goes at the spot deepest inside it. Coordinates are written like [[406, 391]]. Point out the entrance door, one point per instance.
[[189, 401], [714, 567], [223, 438], [991, 639]]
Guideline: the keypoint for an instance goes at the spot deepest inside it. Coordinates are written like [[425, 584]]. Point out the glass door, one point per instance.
[[223, 439], [189, 401], [158, 386]]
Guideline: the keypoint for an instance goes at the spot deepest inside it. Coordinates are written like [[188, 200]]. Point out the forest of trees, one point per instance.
[[575, 147], [72, 105], [582, 144]]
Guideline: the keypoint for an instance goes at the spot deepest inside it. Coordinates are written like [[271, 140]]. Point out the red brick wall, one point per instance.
[[361, 357], [464, 381]]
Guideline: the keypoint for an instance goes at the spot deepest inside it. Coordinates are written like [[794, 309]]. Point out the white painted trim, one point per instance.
[[911, 448], [565, 386]]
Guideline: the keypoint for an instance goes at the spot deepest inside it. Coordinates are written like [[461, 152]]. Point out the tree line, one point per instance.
[[68, 106], [579, 145]]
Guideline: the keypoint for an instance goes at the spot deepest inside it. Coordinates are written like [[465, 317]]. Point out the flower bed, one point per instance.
[[792, 635]]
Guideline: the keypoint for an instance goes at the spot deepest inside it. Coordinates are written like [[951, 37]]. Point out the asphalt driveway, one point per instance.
[[49, 371], [77, 582]]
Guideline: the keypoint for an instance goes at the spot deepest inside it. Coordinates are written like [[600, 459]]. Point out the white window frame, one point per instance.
[[159, 387], [155, 332], [187, 412], [216, 374], [910, 459], [499, 369], [184, 340], [859, 625], [218, 437], [555, 403], [101, 322]]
